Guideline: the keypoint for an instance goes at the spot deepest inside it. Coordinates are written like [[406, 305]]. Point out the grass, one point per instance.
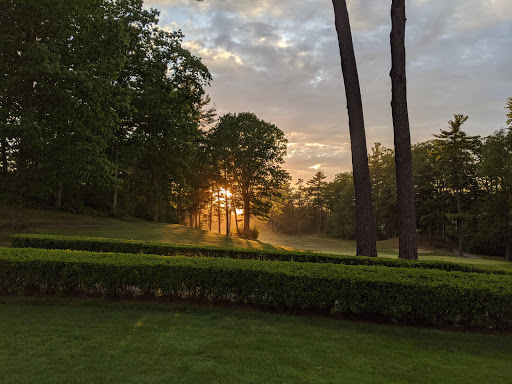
[[386, 248], [64, 340], [56, 340], [62, 223]]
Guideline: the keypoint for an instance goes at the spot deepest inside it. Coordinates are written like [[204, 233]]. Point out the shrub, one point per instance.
[[254, 233], [137, 247], [401, 294]]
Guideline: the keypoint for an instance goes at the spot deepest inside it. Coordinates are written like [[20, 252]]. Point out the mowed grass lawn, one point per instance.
[[63, 223], [71, 340], [60, 340]]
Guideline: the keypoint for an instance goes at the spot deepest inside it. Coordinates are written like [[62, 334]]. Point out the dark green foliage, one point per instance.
[[142, 247], [99, 108], [407, 294], [249, 153]]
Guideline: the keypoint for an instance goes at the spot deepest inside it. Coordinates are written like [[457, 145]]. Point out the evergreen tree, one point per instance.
[[458, 162]]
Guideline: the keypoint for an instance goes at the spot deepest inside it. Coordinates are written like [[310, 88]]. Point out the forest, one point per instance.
[[103, 112], [463, 193]]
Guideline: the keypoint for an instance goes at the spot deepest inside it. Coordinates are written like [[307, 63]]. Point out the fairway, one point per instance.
[[56, 340], [63, 223]]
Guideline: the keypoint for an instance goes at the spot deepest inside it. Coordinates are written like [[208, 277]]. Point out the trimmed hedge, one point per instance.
[[400, 294], [95, 244]]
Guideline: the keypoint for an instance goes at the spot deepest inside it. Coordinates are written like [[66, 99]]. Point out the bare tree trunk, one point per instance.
[[210, 213], [459, 224], [227, 214], [116, 170], [155, 202], [247, 216], [234, 210], [4, 145], [508, 246], [365, 219], [179, 208], [219, 216], [58, 200], [408, 248]]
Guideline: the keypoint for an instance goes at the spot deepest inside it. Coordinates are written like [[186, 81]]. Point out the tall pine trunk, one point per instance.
[[365, 219], [403, 158]]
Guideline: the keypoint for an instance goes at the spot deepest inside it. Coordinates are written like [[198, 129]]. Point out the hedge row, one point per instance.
[[131, 246], [401, 294]]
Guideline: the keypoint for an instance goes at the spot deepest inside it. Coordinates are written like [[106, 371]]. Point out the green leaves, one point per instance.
[[250, 152], [400, 294]]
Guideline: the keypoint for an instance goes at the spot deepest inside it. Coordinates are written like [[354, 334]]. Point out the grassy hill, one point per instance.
[[63, 223]]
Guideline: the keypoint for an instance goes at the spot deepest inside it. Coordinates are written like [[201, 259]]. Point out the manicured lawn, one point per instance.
[[386, 248], [63, 223], [57, 340]]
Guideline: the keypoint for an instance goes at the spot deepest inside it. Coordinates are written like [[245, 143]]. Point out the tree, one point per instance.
[[509, 114], [299, 200], [316, 194], [252, 151], [495, 218], [340, 201], [457, 159], [365, 219], [382, 174], [432, 197], [408, 248]]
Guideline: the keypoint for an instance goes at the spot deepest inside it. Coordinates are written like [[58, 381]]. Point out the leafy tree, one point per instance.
[[365, 219], [299, 201], [160, 137], [252, 152], [316, 194], [340, 201], [432, 197], [495, 206], [382, 175], [509, 114], [61, 59]]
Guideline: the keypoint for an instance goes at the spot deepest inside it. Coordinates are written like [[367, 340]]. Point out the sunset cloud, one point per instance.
[[280, 60]]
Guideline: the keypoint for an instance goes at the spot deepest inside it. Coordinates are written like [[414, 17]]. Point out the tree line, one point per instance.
[[462, 184], [103, 111]]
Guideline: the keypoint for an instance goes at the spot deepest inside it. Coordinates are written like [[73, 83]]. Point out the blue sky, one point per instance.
[[280, 60]]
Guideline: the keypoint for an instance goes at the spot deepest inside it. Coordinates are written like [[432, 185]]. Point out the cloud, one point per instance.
[[280, 60]]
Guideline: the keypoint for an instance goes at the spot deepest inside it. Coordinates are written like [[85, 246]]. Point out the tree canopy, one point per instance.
[[251, 152]]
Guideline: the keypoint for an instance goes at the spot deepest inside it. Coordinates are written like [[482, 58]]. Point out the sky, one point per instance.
[[280, 60]]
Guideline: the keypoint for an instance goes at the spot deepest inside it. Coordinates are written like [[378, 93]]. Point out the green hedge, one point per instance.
[[132, 246], [401, 294]]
